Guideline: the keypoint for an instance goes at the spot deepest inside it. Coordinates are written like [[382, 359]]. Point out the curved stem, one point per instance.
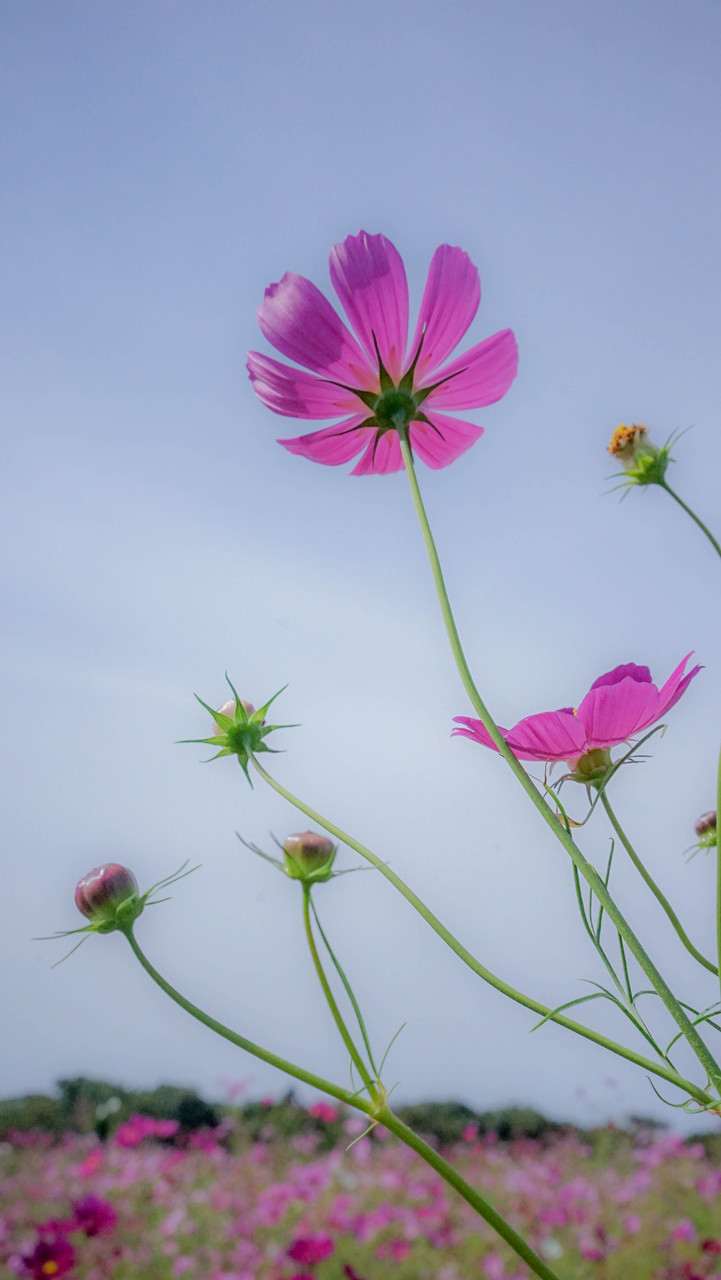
[[718, 867], [300, 1073], [381, 1114], [586, 869], [657, 893], [693, 516], [330, 999], [482, 1207], [658, 1069]]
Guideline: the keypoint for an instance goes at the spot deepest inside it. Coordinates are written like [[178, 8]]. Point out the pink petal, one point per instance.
[[442, 439], [301, 324], [476, 731], [450, 301], [676, 686], [294, 393], [369, 277], [628, 669], [332, 445], [479, 377], [612, 712], [550, 735], [382, 456]]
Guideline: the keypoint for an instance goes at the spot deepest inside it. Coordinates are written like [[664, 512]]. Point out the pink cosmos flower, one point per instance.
[[371, 379], [94, 1216], [619, 704], [310, 1250], [50, 1257]]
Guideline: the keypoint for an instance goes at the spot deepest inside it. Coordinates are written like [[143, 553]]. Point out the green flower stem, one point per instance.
[[330, 998], [477, 1201], [658, 1069], [378, 1114], [588, 871], [718, 867], [692, 514], [657, 893], [308, 1077]]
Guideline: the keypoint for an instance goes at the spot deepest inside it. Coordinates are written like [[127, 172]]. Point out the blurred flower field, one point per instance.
[[330, 1203]]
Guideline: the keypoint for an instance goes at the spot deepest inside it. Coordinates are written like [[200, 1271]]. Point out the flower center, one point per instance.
[[394, 409]]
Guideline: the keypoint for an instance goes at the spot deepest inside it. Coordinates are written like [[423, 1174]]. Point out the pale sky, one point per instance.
[[163, 164]]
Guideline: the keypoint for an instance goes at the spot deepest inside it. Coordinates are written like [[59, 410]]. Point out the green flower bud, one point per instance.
[[309, 856]]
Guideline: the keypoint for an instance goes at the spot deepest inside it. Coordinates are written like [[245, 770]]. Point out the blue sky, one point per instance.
[[166, 162]]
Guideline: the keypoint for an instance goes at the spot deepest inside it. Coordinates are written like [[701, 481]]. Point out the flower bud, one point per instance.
[[228, 709], [706, 823], [109, 896], [308, 856]]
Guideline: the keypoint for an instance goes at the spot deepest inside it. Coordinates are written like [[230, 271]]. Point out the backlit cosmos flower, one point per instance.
[[371, 379], [618, 705]]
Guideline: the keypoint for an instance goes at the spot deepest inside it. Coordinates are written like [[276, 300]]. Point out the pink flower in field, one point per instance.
[[618, 705], [310, 1250], [371, 379], [94, 1216], [324, 1111], [54, 1257], [684, 1230]]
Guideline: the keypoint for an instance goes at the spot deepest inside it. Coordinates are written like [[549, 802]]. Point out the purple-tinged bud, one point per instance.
[[706, 823], [228, 709], [308, 856], [109, 896]]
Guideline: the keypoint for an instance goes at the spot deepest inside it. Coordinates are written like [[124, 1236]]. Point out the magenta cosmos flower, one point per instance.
[[618, 705], [371, 379]]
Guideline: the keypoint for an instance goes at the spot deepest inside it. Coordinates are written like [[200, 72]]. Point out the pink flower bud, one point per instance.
[[103, 890], [706, 823], [308, 856], [228, 709]]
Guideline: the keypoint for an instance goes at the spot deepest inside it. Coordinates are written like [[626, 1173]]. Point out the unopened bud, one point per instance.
[[228, 709], [706, 824], [308, 856], [109, 896]]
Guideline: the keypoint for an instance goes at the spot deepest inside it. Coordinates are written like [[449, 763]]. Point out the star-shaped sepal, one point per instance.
[[240, 730]]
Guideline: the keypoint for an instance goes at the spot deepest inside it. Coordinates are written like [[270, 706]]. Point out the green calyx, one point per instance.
[[311, 865], [592, 768], [242, 732], [649, 465]]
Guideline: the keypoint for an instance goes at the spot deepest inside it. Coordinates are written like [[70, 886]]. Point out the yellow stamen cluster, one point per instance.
[[625, 440], [50, 1268]]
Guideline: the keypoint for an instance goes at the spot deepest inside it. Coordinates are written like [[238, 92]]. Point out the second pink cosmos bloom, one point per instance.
[[618, 705], [372, 378]]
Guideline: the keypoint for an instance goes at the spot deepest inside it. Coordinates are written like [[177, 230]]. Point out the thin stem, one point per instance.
[[348, 990], [693, 516], [477, 1201], [382, 1114], [718, 867], [299, 1073], [468, 959], [586, 869], [657, 893], [330, 999]]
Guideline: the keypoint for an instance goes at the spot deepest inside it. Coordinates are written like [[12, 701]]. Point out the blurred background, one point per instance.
[[162, 165]]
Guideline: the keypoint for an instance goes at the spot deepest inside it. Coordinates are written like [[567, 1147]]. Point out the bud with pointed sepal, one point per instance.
[[240, 730], [109, 897], [309, 857]]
